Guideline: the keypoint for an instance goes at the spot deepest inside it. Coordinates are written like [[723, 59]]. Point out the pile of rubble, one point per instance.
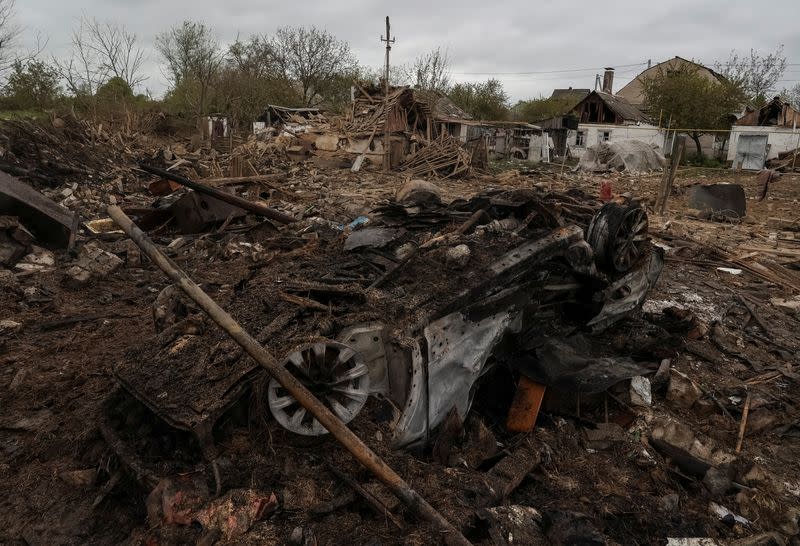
[[516, 349]]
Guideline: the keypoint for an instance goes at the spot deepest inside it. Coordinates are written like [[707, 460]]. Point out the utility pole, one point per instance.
[[389, 41]]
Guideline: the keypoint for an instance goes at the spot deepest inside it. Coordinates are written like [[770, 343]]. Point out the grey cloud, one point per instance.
[[519, 36]]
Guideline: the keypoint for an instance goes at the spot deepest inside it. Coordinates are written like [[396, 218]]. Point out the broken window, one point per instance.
[[580, 138], [604, 136]]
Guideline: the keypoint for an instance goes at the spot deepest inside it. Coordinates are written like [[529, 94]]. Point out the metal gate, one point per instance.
[[751, 152]]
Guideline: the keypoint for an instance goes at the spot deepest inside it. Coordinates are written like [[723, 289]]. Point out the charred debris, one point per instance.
[[470, 343]]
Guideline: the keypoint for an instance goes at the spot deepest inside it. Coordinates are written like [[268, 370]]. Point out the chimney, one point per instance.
[[608, 80]]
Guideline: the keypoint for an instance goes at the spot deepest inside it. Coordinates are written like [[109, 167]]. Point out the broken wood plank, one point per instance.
[[507, 475], [754, 314], [303, 302], [743, 425], [48, 220], [669, 175]]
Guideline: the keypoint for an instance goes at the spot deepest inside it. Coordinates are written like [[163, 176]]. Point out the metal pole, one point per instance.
[[386, 147], [234, 200], [339, 430]]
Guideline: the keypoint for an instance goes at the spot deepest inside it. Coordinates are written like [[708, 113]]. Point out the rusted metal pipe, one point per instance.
[[229, 198], [339, 430]]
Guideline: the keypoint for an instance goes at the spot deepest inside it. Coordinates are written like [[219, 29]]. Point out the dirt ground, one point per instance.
[[55, 467]]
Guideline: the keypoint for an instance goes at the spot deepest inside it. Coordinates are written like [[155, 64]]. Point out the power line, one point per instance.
[[567, 70], [543, 71]]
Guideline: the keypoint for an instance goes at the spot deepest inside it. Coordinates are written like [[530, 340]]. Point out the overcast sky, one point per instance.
[[484, 38]]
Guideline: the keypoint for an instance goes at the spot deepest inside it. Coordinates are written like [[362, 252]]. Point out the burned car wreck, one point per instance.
[[412, 307]]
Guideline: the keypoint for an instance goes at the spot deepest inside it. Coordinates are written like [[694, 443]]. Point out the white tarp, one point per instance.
[[622, 155]]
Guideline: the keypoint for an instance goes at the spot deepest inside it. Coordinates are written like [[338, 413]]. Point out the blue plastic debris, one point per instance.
[[357, 223]]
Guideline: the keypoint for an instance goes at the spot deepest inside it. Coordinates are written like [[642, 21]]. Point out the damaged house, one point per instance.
[[604, 117], [428, 135], [764, 134], [275, 118]]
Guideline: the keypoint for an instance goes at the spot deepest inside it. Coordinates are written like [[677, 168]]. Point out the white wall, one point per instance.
[[779, 139], [592, 131], [647, 133]]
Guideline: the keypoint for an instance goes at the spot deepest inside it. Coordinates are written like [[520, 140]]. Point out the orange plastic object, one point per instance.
[[605, 191], [525, 406]]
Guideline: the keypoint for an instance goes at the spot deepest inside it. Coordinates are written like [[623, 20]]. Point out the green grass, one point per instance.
[[702, 161], [498, 166], [22, 114]]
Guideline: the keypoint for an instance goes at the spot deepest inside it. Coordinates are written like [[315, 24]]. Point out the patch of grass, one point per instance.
[[22, 114], [702, 161], [497, 166]]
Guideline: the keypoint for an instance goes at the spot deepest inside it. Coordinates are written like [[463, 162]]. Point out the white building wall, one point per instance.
[[592, 131], [779, 139]]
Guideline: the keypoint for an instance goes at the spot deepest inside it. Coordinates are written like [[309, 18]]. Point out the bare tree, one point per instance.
[[315, 59], [100, 51], [193, 57], [84, 70], [9, 32], [756, 74], [792, 95], [430, 71], [117, 50]]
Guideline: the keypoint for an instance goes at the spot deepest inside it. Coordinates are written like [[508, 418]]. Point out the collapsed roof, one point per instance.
[[281, 114], [599, 107], [776, 113]]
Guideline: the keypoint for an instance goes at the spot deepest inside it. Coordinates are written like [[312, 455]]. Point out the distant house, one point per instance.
[[763, 134], [448, 116], [605, 108], [603, 116], [633, 91], [562, 130], [561, 127]]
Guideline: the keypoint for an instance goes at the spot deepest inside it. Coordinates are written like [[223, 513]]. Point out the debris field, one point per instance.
[[538, 361]]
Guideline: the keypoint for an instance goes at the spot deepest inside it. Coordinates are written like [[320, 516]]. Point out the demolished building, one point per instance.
[[442, 322], [770, 132]]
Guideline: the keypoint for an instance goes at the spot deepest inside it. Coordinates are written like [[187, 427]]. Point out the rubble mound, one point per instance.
[[622, 155]]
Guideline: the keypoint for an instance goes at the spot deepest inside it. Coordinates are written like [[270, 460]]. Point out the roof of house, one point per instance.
[[717, 75], [776, 113], [618, 105], [284, 114], [574, 95], [713, 72], [443, 108], [440, 105]]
